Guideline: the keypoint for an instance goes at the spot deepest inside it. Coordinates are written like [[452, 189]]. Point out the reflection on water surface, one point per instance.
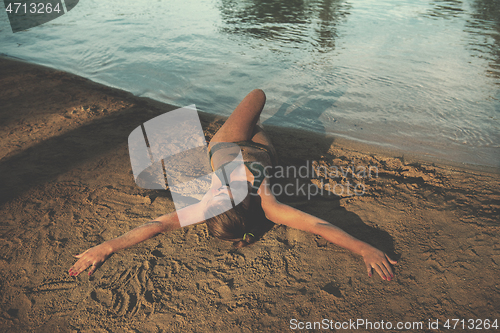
[[416, 75]]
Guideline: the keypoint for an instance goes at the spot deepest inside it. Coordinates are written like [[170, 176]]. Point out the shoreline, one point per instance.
[[67, 186], [356, 144]]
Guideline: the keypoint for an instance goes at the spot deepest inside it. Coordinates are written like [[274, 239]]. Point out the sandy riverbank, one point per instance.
[[66, 185]]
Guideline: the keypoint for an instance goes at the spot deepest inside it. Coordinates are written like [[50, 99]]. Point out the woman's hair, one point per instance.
[[240, 225]]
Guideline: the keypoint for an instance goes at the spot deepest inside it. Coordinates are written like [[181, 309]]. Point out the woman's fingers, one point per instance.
[[383, 274], [383, 269], [94, 257], [82, 264], [387, 271], [393, 262], [387, 264], [77, 269], [80, 255], [92, 269]]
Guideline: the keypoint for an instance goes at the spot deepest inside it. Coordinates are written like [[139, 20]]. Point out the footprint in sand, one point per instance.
[[127, 292]]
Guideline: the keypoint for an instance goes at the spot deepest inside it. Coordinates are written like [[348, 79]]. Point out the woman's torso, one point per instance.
[[224, 152]]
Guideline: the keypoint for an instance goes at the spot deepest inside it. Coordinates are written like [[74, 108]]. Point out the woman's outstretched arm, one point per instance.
[[373, 258], [97, 255]]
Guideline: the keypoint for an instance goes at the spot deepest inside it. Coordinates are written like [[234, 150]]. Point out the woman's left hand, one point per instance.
[[93, 257], [380, 262]]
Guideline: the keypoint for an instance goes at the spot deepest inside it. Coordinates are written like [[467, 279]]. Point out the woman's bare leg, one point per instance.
[[240, 125]]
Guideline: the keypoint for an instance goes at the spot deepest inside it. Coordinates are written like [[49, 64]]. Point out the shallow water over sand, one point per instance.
[[422, 76]]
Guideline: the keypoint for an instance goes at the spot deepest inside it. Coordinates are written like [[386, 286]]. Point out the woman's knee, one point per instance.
[[258, 94]]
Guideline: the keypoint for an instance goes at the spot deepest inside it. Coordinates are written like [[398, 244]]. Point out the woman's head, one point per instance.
[[243, 224]]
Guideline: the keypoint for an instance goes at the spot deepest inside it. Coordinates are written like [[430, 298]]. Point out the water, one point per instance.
[[421, 76]]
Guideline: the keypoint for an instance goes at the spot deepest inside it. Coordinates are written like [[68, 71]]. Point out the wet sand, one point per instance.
[[66, 185]]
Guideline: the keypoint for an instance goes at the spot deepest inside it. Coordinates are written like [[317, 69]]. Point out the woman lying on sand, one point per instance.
[[246, 221]]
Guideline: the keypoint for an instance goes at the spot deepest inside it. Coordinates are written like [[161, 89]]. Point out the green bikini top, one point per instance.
[[257, 169]]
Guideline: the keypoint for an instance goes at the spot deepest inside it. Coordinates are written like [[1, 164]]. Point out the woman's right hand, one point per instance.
[[378, 261], [93, 257]]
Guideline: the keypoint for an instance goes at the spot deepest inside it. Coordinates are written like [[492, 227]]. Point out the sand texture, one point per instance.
[[66, 185]]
